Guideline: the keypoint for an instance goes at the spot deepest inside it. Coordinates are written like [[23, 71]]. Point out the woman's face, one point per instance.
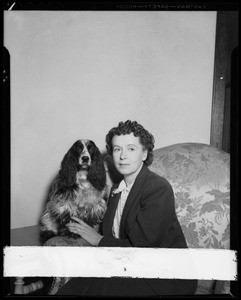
[[128, 154]]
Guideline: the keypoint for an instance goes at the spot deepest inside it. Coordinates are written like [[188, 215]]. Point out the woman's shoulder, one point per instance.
[[156, 178], [154, 184]]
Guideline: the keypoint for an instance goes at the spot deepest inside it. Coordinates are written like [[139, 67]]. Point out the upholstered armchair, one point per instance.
[[200, 177]]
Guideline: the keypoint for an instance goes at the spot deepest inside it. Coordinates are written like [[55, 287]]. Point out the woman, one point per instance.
[[140, 213]]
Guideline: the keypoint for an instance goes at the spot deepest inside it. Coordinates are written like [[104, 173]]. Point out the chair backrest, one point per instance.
[[200, 177]]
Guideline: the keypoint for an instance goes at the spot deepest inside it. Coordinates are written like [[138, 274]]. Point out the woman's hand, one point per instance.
[[85, 231]]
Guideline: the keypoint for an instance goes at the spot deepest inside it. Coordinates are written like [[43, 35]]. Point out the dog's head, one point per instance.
[[83, 157], [86, 152]]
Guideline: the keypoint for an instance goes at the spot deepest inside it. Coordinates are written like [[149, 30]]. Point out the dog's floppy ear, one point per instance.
[[68, 169], [97, 173]]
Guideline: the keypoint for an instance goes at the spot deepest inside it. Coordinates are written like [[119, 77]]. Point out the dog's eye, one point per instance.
[[90, 149], [79, 149]]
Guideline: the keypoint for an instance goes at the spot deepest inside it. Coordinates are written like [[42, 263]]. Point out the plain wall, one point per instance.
[[76, 74]]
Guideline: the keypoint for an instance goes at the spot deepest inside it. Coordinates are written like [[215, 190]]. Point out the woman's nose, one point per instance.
[[123, 154]]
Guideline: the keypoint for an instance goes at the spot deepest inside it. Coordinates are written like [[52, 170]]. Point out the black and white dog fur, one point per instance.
[[79, 190]]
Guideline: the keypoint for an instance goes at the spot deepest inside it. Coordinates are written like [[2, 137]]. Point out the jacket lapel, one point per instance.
[[141, 177]]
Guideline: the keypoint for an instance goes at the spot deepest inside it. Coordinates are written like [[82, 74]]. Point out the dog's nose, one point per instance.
[[85, 159]]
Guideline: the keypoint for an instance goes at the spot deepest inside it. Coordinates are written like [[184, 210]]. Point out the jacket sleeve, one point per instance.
[[151, 220]]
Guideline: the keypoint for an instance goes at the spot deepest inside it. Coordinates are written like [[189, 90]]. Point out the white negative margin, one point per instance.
[[217, 264]]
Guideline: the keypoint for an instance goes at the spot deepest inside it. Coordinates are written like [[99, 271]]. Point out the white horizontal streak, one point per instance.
[[216, 264]]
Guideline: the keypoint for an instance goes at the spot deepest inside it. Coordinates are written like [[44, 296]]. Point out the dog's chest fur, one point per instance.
[[86, 203]]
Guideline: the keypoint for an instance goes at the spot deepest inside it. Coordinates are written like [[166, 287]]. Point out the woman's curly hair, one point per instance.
[[146, 138]]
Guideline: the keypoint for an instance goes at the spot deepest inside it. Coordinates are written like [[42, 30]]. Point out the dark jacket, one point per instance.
[[149, 218]]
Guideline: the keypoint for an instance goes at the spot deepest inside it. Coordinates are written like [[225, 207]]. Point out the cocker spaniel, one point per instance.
[[79, 190]]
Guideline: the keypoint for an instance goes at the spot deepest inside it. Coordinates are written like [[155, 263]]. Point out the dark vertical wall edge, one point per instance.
[[219, 80], [5, 180], [5, 119]]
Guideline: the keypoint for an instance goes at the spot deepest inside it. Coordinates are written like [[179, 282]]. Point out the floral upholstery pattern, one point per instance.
[[200, 177]]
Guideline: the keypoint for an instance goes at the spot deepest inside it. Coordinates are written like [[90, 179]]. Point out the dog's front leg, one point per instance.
[[48, 227], [61, 211]]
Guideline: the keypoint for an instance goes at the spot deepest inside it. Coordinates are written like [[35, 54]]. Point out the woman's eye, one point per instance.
[[116, 149], [131, 149]]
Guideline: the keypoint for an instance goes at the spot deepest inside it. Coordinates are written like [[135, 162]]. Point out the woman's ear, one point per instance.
[[145, 153]]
